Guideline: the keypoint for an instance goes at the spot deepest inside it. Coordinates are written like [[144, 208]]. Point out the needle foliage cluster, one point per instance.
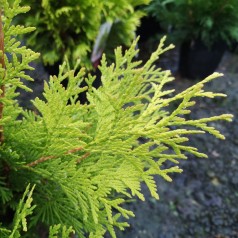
[[69, 167]]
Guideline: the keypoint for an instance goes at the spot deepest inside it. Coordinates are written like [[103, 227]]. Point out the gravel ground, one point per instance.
[[202, 201]]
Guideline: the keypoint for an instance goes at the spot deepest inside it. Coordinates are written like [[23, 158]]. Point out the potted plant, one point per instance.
[[203, 28]]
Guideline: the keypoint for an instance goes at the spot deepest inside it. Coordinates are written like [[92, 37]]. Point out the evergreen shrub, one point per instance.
[[209, 21], [69, 28], [68, 168]]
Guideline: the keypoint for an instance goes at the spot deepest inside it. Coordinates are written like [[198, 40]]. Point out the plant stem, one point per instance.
[[2, 86], [43, 159]]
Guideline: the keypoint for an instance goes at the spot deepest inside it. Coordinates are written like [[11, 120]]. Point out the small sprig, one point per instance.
[[24, 209]]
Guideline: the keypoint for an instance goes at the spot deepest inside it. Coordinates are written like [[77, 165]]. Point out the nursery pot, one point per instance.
[[149, 28], [197, 61]]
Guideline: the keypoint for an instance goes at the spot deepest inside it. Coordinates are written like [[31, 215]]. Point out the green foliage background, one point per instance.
[[69, 28], [210, 21], [85, 161]]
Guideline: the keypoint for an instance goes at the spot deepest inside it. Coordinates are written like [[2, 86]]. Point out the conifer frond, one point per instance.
[[17, 58], [24, 209], [59, 231]]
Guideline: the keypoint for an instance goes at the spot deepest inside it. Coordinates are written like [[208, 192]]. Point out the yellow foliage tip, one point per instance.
[[212, 76], [227, 117]]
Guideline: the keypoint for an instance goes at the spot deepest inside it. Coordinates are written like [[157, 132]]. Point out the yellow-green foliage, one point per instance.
[[85, 161], [18, 58], [69, 28]]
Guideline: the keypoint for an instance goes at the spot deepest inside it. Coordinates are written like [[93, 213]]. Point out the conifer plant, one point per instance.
[[68, 168], [73, 26]]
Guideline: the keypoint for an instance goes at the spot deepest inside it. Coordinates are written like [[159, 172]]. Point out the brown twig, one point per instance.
[[2, 86], [43, 159], [83, 157]]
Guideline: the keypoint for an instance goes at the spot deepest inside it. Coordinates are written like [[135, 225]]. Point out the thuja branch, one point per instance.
[[43, 159], [2, 87]]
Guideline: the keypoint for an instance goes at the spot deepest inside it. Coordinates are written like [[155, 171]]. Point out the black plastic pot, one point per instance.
[[149, 28], [197, 61]]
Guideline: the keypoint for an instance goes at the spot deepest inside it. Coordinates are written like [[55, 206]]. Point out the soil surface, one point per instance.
[[202, 201]]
